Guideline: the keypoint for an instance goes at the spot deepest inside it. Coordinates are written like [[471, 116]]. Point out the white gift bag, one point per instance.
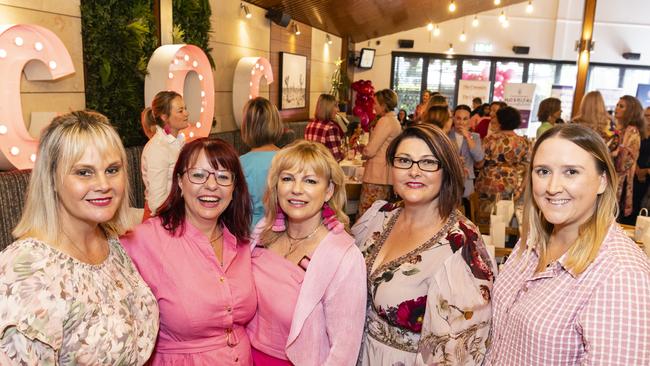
[[505, 209], [646, 242], [497, 231], [642, 224]]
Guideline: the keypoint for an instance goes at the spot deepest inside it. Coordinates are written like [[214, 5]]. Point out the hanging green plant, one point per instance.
[[192, 24]]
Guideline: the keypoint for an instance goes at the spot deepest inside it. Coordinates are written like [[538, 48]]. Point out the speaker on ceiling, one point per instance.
[[279, 17], [631, 56], [521, 50], [405, 43]]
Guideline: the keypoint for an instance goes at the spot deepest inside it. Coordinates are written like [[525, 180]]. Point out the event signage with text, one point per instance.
[[470, 89], [520, 96]]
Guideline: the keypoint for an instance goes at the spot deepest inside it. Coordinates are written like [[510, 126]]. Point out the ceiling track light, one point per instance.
[[430, 27], [529, 7], [497, 2], [247, 12], [295, 29], [502, 16], [462, 37], [451, 48], [475, 21], [328, 39], [436, 31], [452, 6]]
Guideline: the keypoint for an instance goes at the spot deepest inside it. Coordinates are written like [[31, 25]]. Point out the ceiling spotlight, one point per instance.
[[451, 49], [462, 37], [328, 39], [529, 7], [502, 16], [452, 6], [430, 27], [247, 12], [436, 31], [506, 23], [475, 21], [295, 29], [497, 2]]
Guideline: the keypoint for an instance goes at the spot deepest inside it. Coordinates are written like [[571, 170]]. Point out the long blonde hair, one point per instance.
[[62, 145], [303, 155], [593, 112], [537, 231]]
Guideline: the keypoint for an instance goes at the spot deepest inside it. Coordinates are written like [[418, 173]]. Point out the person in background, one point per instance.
[[261, 128], [324, 128], [69, 294], [195, 257], [548, 113], [429, 273], [469, 147], [166, 117], [421, 108], [489, 124], [476, 106], [304, 256], [631, 126], [594, 115], [438, 115], [506, 159], [642, 172], [576, 287], [376, 180], [482, 111], [402, 117]]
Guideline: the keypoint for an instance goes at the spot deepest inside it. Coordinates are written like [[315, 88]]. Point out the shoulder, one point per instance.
[[465, 240], [620, 254], [144, 237]]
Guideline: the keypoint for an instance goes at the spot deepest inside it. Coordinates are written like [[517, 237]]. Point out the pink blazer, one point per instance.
[[329, 316]]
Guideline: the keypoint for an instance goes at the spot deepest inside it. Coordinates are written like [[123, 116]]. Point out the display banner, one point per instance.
[[470, 89], [520, 96], [643, 94]]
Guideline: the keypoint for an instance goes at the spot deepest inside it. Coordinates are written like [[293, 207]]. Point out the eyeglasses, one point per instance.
[[200, 176], [427, 165]]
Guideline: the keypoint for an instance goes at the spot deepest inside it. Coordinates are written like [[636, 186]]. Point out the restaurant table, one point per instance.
[[353, 170]]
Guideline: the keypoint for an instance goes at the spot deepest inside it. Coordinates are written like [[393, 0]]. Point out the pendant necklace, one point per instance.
[[294, 241]]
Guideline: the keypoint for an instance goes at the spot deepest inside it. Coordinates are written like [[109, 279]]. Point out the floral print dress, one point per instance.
[[432, 305], [625, 161], [56, 310]]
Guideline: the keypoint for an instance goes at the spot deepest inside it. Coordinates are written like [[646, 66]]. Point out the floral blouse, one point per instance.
[[431, 305], [628, 153], [505, 164], [56, 310]]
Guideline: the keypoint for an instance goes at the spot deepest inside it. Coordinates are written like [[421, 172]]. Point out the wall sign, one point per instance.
[[186, 70], [42, 56], [246, 83]]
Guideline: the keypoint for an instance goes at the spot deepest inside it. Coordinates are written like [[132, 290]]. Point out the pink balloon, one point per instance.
[[357, 110]]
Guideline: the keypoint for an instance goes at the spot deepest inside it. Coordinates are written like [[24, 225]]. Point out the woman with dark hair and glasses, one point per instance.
[[195, 257], [430, 276]]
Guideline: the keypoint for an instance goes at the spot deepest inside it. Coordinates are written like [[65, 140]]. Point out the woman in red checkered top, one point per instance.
[[576, 289], [324, 129]]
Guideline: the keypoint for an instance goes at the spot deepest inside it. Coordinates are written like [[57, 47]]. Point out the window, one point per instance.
[[543, 75], [632, 78], [506, 72], [568, 75], [476, 70], [441, 76], [603, 78], [407, 81]]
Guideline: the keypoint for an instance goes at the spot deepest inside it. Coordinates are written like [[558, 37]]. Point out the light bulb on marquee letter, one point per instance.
[[177, 67], [16, 144], [246, 83]]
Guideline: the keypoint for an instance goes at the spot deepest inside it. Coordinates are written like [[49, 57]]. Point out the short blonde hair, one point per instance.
[[261, 124], [302, 155], [62, 145], [536, 230], [387, 98], [324, 107]]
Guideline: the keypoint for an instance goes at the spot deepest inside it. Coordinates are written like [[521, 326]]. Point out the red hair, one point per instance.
[[237, 216]]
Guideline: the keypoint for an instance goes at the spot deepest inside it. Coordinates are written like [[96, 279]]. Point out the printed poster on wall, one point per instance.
[[520, 96], [565, 94], [470, 89], [643, 94]]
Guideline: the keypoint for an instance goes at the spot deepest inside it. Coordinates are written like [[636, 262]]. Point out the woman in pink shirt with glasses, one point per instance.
[[195, 257]]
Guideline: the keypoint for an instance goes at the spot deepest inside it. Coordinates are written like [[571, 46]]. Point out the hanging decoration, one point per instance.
[[364, 102]]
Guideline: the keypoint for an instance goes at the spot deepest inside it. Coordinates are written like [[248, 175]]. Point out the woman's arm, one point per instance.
[[380, 134], [156, 165], [344, 304], [628, 151]]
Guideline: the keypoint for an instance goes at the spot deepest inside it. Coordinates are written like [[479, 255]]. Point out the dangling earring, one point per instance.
[[330, 220], [278, 224]]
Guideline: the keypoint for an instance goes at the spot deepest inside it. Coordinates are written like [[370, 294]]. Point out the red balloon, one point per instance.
[[357, 110]]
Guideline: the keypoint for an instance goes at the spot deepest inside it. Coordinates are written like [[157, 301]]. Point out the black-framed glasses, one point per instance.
[[427, 165], [199, 176]]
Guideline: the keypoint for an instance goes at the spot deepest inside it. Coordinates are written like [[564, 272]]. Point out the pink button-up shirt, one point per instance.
[[204, 305], [600, 317]]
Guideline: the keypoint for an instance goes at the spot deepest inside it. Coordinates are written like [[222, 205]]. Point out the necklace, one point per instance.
[[294, 241], [85, 257]]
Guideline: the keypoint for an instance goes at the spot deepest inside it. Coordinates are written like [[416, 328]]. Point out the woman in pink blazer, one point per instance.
[[309, 275], [376, 177]]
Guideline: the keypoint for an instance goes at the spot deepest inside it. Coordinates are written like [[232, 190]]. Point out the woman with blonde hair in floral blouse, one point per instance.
[[69, 294]]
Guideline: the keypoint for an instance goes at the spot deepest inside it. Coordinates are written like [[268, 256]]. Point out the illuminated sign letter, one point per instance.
[[246, 83]]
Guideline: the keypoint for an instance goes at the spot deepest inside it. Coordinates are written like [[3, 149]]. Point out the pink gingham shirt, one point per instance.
[[600, 317]]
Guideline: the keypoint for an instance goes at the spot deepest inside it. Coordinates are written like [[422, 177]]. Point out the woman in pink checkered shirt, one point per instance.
[[576, 290]]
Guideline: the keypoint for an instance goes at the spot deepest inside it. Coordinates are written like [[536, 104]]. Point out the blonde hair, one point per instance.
[[262, 124], [161, 105], [536, 230], [324, 107], [593, 112], [387, 98], [302, 155], [63, 143]]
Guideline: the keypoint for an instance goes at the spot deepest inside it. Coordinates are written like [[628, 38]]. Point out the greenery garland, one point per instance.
[[119, 37]]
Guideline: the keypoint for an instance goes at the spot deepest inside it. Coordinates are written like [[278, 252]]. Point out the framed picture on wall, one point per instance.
[[293, 81]]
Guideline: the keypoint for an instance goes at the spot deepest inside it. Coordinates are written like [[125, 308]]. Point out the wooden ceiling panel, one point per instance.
[[365, 19]]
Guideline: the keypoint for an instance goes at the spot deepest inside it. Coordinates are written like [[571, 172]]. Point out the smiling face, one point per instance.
[[92, 191], [302, 193], [415, 185], [566, 183], [178, 116], [205, 202]]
